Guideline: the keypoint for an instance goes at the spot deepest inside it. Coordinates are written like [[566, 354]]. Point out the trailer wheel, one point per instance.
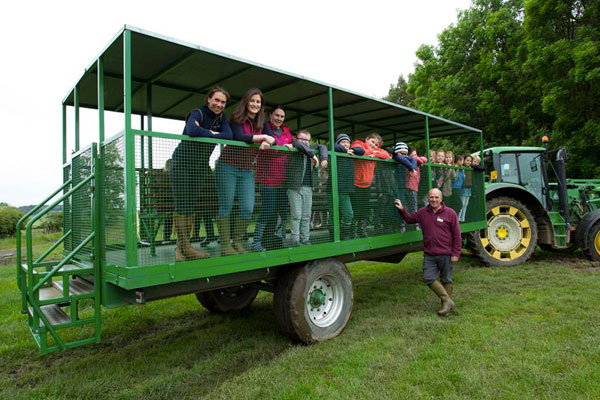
[[228, 300], [511, 235], [313, 302], [592, 250]]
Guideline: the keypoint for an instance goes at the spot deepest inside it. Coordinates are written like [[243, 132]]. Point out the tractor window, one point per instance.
[[531, 174], [508, 168]]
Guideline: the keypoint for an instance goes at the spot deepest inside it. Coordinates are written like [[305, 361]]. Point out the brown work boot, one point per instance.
[[225, 236], [447, 303], [240, 229]]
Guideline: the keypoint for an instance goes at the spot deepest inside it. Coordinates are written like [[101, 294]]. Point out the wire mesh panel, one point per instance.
[[68, 243], [81, 207], [462, 190], [367, 190], [199, 200], [473, 208], [114, 202]]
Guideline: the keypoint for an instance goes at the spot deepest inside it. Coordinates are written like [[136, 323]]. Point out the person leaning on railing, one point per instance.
[[234, 175], [301, 176], [345, 179], [271, 172], [364, 172], [191, 169]]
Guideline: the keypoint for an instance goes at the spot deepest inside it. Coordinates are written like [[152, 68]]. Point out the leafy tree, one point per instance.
[[9, 216], [517, 69], [398, 93], [53, 222], [563, 47]]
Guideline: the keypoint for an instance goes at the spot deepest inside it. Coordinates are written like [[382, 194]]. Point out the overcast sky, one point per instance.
[[362, 46]]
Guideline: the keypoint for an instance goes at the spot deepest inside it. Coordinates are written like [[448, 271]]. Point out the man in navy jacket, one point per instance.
[[441, 245]]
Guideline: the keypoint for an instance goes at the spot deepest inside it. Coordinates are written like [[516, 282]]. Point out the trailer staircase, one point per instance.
[[62, 298]]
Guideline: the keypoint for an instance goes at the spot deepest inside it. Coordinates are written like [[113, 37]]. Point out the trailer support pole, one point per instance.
[[427, 149], [333, 169], [130, 178]]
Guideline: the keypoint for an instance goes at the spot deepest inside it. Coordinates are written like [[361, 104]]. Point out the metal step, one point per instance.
[[63, 269], [54, 313], [50, 293], [76, 286]]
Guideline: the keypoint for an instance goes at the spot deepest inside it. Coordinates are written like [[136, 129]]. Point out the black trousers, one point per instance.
[[435, 267]]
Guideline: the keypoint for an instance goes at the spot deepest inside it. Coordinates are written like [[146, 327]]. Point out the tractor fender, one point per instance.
[[515, 191], [583, 228]]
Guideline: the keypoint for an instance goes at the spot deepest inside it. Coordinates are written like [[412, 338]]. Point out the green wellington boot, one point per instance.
[[449, 286], [225, 236], [447, 303]]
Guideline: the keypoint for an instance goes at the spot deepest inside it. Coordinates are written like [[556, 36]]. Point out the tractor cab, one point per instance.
[[522, 166]]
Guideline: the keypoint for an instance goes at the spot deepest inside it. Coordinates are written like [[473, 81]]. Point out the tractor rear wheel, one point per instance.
[[511, 235], [592, 250]]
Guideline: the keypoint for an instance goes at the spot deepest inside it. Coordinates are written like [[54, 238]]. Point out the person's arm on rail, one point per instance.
[[193, 126], [323, 155]]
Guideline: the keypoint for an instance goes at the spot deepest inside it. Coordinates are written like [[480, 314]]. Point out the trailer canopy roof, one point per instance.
[[180, 74]]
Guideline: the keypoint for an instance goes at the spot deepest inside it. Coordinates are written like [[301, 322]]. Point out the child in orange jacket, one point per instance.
[[364, 171]]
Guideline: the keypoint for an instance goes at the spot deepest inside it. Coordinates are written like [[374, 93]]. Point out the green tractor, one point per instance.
[[525, 209]]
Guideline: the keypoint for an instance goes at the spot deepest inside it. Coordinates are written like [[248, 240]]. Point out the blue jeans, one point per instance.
[[231, 181]]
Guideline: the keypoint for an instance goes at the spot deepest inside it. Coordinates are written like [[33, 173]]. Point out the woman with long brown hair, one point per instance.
[[234, 175]]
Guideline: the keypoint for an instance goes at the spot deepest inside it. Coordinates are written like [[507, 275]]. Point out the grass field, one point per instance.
[[41, 242], [530, 331]]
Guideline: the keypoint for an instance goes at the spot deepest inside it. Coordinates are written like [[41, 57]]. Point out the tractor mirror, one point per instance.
[[533, 166]]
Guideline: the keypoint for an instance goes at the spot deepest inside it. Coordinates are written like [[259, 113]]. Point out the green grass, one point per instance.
[[41, 242], [530, 331]]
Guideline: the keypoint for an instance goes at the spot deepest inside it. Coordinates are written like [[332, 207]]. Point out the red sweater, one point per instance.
[[412, 181], [364, 170], [441, 230]]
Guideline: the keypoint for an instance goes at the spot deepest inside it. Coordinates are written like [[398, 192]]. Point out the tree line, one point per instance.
[[518, 69], [9, 216]]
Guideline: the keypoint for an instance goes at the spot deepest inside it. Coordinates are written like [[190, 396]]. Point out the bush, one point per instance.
[[9, 216], [52, 222]]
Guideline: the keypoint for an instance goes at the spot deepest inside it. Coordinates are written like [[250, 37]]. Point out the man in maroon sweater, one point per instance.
[[441, 245]]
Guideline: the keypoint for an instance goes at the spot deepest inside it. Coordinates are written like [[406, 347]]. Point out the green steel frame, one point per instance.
[[111, 280], [132, 275]]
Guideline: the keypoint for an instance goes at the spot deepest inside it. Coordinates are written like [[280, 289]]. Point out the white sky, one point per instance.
[[362, 46]]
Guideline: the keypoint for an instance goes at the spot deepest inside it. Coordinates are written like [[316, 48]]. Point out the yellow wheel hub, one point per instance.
[[597, 242], [502, 233]]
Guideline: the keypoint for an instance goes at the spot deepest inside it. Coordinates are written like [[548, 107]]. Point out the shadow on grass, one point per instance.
[[161, 351]]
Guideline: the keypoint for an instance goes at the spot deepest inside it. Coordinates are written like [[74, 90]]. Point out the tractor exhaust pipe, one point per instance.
[[561, 174]]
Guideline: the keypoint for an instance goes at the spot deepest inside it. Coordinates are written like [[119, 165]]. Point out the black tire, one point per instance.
[[236, 299], [592, 250], [313, 303], [510, 237]]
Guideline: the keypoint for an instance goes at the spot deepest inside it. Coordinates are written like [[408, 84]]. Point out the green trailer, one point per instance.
[[117, 195]]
